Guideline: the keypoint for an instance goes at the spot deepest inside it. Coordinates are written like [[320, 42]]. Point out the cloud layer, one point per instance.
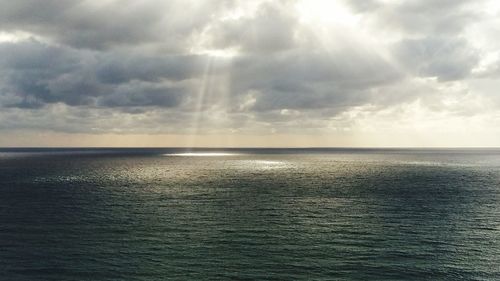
[[243, 67]]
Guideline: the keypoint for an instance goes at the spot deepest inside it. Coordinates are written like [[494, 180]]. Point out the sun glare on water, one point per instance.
[[202, 154]]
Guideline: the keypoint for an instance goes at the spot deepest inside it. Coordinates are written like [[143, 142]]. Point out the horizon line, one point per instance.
[[249, 147]]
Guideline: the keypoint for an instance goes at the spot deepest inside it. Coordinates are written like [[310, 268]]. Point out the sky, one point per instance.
[[220, 73]]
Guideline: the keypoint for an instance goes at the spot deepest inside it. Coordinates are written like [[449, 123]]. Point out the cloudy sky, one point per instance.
[[250, 73]]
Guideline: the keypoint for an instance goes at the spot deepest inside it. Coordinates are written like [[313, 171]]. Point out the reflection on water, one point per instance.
[[201, 154], [259, 164], [355, 215]]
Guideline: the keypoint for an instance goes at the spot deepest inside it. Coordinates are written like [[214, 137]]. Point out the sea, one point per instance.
[[249, 214]]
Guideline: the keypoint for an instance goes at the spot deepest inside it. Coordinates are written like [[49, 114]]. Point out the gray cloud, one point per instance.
[[123, 67], [444, 58], [165, 60], [300, 79], [102, 25], [34, 73], [142, 94], [270, 29], [420, 17]]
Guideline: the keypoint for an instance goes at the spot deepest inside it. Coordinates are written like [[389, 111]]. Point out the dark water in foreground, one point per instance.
[[335, 214]]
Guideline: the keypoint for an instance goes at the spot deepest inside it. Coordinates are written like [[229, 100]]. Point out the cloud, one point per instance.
[[301, 79], [109, 24], [239, 66], [137, 94], [123, 67], [36, 74], [271, 28], [441, 57], [421, 17], [29, 69]]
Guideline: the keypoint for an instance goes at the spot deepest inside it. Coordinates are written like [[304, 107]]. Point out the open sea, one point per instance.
[[249, 214]]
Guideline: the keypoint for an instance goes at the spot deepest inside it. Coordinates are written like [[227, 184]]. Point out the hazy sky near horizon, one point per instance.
[[250, 73]]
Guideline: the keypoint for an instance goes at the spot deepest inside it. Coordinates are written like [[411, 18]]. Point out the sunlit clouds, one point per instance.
[[250, 73]]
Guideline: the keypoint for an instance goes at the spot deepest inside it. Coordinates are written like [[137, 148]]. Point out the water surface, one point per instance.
[[249, 214]]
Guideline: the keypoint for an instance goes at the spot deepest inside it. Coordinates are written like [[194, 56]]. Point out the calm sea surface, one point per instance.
[[249, 214]]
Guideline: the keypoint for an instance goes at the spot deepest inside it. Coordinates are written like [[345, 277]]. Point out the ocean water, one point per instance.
[[249, 214]]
